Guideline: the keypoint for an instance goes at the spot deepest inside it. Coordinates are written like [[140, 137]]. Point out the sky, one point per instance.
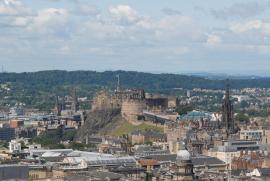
[[173, 36]]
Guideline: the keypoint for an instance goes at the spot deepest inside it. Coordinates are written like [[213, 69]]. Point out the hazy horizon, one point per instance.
[[203, 74]]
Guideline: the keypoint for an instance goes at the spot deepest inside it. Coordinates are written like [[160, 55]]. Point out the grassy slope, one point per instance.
[[124, 127]]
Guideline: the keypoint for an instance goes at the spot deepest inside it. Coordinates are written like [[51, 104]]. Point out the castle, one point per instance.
[[132, 102]]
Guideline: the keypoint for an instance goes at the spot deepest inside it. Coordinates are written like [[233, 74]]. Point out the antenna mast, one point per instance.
[[118, 82]]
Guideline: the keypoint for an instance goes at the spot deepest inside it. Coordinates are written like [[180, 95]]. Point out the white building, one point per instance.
[[18, 110], [233, 148], [40, 152], [15, 146], [94, 159], [251, 135], [241, 98]]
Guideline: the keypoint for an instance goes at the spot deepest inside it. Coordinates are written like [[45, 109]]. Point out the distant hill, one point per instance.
[[39, 89], [131, 79], [220, 76]]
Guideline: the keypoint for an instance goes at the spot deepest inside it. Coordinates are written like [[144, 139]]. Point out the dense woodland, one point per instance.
[[38, 89], [48, 79]]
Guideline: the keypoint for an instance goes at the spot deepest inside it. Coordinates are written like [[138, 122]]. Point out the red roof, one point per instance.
[[148, 162]]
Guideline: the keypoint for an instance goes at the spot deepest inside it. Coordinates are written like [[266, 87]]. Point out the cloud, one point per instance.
[[240, 10], [258, 26], [124, 14], [120, 30], [169, 11], [146, 31], [249, 38], [181, 50], [14, 14], [121, 35], [213, 40], [261, 49], [21, 21], [13, 8], [12, 2], [48, 19], [86, 10], [178, 26]]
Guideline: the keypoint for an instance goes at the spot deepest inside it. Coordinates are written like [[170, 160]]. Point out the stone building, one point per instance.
[[39, 172], [247, 161], [132, 102], [156, 103], [184, 166], [141, 137], [251, 134], [149, 164], [175, 133], [266, 137], [132, 109], [105, 100]]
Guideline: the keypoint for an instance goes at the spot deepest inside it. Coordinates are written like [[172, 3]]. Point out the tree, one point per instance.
[[23, 144], [46, 139], [184, 109], [69, 135], [241, 117], [77, 146], [244, 104], [60, 132]]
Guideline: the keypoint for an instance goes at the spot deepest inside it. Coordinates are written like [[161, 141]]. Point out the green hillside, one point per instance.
[[38, 89]]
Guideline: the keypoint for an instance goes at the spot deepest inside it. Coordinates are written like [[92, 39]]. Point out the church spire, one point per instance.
[[227, 111], [75, 104], [227, 94]]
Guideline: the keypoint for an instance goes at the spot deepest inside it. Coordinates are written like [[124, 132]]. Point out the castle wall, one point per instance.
[[131, 109], [157, 104], [131, 101], [103, 100], [172, 102]]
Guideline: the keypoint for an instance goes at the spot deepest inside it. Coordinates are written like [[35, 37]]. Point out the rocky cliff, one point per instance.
[[99, 121]]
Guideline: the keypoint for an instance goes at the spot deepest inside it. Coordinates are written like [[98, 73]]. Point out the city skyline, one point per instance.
[[231, 37]]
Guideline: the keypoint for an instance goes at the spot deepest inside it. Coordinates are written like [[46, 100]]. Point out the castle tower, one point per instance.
[[227, 112]]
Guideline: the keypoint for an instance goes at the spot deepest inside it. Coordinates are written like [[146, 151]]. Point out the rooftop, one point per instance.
[[202, 160]]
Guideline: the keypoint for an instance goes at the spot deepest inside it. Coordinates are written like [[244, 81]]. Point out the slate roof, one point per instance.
[[125, 169], [237, 173], [197, 161], [149, 150], [143, 148], [264, 171], [202, 160], [163, 157], [104, 175]]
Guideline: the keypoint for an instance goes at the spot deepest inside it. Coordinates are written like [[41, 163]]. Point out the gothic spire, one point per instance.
[[227, 94]]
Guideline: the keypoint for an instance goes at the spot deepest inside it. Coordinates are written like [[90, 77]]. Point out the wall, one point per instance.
[[13, 172], [224, 156], [266, 137], [132, 108]]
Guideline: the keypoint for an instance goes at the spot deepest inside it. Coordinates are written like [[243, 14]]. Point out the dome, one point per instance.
[[195, 115], [183, 155]]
